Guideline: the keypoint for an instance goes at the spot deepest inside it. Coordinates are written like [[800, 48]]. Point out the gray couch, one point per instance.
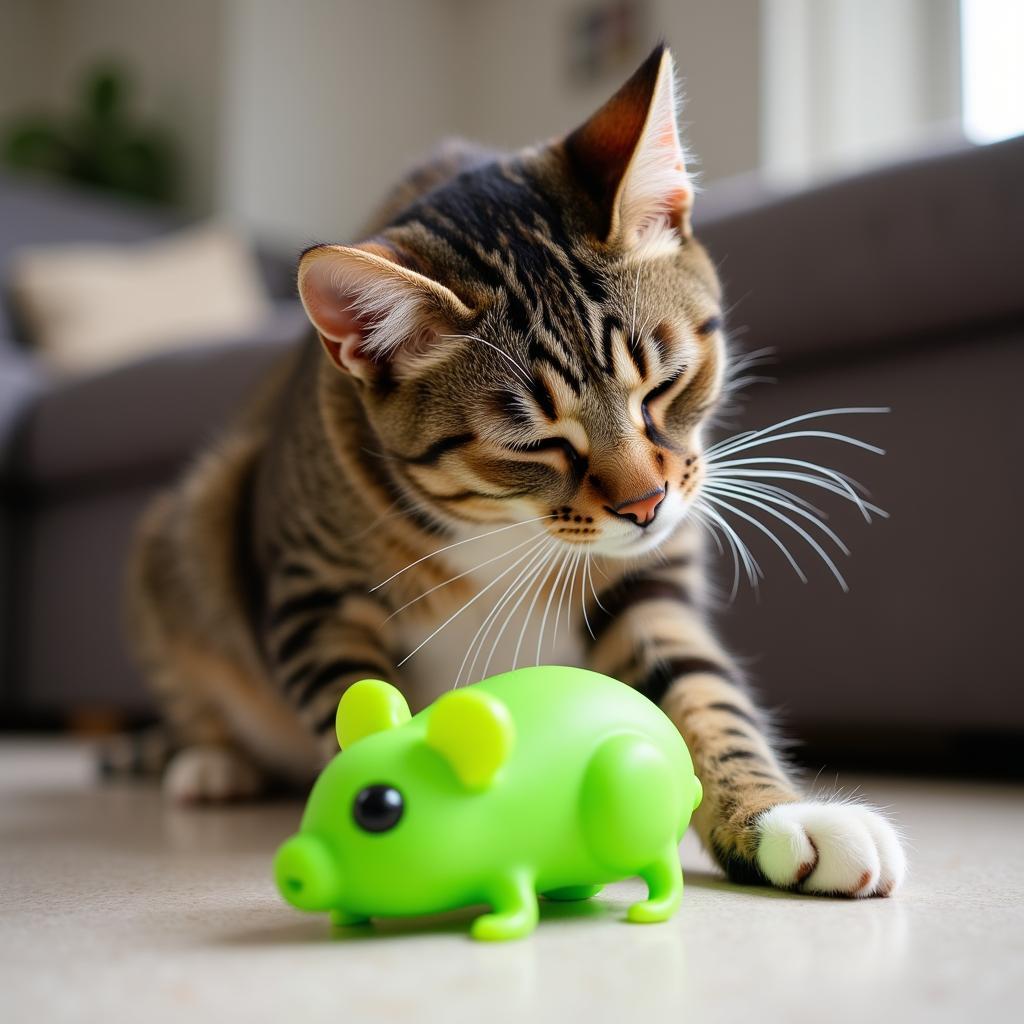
[[900, 287], [79, 457]]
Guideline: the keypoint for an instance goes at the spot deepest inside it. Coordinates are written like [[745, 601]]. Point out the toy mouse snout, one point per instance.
[[306, 874]]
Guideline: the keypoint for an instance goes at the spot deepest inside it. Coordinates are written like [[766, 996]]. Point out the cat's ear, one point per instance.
[[630, 159], [369, 307]]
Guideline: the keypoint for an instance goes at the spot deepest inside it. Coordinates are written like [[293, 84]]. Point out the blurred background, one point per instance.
[[862, 194]]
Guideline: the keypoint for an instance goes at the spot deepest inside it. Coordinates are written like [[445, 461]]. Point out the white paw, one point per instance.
[[832, 849], [210, 774]]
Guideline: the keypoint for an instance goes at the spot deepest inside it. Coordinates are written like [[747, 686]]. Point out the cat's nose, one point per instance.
[[641, 510]]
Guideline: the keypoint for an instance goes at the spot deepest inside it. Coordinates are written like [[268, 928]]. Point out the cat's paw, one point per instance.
[[832, 849], [211, 775]]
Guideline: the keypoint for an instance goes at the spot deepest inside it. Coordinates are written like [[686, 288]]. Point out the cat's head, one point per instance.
[[540, 336]]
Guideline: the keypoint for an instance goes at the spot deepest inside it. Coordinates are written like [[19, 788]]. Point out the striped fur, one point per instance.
[[533, 339]]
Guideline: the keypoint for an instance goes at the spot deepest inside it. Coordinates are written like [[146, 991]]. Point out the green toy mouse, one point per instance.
[[547, 780]]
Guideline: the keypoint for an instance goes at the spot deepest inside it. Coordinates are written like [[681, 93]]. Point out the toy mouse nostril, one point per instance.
[[306, 873]]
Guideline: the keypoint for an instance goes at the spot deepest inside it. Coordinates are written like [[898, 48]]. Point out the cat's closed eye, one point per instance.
[[577, 462], [653, 431]]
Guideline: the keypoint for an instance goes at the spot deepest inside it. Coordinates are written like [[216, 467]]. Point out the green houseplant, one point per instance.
[[99, 143]]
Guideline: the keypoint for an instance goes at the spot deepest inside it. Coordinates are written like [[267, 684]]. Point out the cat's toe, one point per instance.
[[211, 775], [831, 849]]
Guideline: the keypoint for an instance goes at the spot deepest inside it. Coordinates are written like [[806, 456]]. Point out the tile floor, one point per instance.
[[116, 908]]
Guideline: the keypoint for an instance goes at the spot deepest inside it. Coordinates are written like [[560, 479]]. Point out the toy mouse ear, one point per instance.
[[366, 707], [474, 733]]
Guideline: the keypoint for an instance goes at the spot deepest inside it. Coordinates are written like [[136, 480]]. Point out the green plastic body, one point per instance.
[[548, 780]]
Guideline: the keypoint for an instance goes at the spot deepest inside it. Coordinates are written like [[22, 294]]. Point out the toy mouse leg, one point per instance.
[[515, 913], [664, 880]]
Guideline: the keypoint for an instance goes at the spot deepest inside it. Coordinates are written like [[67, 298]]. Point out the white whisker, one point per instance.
[[476, 597], [709, 527], [520, 369], [738, 377], [570, 578], [840, 479], [775, 513], [728, 468], [643, 327], [828, 435], [539, 554], [703, 513], [739, 383], [725, 443], [636, 295], [384, 516], [549, 554], [780, 492], [743, 361], [722, 503], [740, 552], [597, 565], [452, 579], [583, 594], [751, 566], [547, 607], [865, 507], [786, 503], [533, 604], [458, 543]]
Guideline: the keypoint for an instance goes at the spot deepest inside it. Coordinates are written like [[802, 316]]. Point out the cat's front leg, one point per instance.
[[757, 823], [321, 639], [754, 819]]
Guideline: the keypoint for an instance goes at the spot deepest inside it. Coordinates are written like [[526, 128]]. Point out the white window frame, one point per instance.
[[847, 83]]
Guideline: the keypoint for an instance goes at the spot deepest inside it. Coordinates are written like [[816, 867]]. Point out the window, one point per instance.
[[992, 33]]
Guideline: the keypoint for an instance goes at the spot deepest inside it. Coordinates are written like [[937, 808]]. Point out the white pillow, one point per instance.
[[89, 306]]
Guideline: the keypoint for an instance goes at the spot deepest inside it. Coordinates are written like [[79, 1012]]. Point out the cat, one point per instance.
[[490, 452]]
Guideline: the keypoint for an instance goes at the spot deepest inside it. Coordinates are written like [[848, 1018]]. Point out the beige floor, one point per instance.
[[115, 908]]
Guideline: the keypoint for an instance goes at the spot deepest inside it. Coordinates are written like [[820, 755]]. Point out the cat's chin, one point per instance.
[[633, 547]]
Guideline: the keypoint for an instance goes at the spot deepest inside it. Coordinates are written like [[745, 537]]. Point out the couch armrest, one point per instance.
[[278, 268], [21, 381], [930, 245], [144, 417]]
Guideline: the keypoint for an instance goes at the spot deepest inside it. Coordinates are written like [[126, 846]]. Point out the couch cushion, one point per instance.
[[931, 245], [39, 213], [92, 306], [148, 415]]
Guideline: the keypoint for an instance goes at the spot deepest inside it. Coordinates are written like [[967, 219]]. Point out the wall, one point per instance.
[[326, 103], [22, 74], [853, 82], [513, 87], [295, 117], [323, 110], [174, 50]]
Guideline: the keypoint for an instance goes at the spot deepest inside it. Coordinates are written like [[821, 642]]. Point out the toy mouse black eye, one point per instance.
[[378, 808]]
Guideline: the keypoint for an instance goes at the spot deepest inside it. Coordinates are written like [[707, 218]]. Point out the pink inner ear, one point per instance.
[[326, 306], [333, 350], [340, 327], [342, 334]]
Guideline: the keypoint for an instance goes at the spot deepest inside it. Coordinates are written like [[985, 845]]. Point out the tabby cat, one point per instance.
[[491, 453]]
